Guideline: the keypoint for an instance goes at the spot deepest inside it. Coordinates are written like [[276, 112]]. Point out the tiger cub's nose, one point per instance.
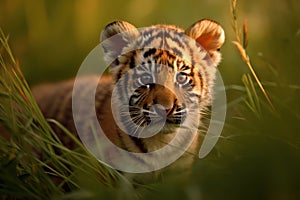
[[160, 110], [165, 98]]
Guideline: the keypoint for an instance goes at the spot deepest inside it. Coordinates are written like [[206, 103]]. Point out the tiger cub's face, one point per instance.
[[162, 73]]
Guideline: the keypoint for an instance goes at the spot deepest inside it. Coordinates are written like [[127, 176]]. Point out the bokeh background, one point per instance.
[[256, 157], [51, 38]]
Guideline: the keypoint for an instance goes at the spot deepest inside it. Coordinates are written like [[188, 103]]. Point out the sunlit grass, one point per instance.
[[31, 166], [241, 44]]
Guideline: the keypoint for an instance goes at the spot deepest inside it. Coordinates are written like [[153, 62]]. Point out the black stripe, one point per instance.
[[139, 143], [116, 61], [150, 31], [132, 60], [184, 67], [191, 52], [119, 75], [112, 24], [158, 55], [192, 71], [149, 52], [201, 82], [147, 42], [179, 42], [177, 51]]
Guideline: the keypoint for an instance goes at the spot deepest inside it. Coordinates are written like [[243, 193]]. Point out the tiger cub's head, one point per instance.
[[161, 72]]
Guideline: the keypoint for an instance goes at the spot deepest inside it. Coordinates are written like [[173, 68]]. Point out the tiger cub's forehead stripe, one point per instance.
[[168, 59], [149, 52], [153, 41], [158, 37]]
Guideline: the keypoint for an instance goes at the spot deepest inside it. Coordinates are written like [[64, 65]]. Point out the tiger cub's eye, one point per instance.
[[182, 79], [145, 79]]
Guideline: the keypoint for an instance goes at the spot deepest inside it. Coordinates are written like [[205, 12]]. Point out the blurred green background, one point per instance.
[[258, 156], [51, 38]]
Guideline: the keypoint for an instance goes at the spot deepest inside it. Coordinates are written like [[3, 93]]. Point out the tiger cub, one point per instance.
[[161, 77]]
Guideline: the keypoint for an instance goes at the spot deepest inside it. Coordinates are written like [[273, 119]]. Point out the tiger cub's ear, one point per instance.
[[210, 35], [115, 37]]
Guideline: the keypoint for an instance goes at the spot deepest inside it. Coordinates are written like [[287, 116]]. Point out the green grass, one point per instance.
[[256, 157], [28, 152]]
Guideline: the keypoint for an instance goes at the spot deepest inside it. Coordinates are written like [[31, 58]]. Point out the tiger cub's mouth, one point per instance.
[[156, 114]]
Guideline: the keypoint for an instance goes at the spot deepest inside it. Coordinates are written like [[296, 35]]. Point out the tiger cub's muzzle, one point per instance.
[[156, 104]]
